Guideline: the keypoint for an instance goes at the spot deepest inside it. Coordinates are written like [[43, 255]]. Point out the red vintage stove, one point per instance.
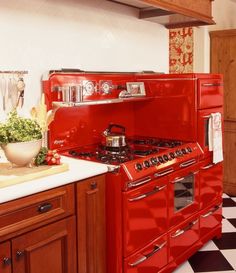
[[163, 193]]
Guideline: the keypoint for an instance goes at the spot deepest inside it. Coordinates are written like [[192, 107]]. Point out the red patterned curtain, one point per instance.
[[181, 50]]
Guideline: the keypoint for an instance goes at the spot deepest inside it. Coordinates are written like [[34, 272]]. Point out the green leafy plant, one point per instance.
[[19, 129], [40, 159]]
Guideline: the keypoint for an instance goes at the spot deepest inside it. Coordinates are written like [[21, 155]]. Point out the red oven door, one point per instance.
[[210, 177], [144, 215], [149, 259], [203, 126], [182, 237], [210, 219], [183, 194]]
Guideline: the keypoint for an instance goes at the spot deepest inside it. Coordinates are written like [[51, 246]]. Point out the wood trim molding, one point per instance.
[[226, 32]]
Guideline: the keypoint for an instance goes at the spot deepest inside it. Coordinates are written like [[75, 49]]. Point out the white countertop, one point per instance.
[[78, 170]]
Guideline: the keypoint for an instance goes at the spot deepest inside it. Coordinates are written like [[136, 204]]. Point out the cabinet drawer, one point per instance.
[[36, 210], [207, 90]]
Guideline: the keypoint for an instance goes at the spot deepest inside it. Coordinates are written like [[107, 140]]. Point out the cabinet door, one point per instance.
[[48, 249], [5, 257], [91, 225]]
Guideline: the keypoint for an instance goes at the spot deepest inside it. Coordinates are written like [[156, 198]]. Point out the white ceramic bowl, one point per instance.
[[22, 153]]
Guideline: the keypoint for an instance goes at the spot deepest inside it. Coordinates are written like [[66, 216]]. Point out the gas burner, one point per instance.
[[145, 152], [81, 154], [144, 141], [113, 155], [113, 158], [168, 143]]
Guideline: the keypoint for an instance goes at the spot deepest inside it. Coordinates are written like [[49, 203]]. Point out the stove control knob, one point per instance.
[[160, 159], [172, 155], [138, 167], [146, 164], [166, 158], [189, 149], [154, 161], [184, 151], [178, 153]]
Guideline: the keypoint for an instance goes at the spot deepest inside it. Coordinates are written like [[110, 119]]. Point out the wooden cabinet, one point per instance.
[[29, 244], [48, 249], [91, 225], [41, 233], [24, 214], [5, 257], [173, 13], [223, 60]]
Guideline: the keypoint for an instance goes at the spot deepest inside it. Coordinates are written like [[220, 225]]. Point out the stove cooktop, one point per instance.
[[136, 148]]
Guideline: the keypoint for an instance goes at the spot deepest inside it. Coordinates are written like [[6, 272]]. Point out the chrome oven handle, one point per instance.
[[177, 180], [182, 231], [142, 196], [139, 182], [207, 167], [170, 170], [210, 212], [212, 84], [145, 257], [187, 163]]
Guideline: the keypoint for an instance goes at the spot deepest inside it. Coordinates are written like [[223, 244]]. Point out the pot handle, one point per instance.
[[111, 126]]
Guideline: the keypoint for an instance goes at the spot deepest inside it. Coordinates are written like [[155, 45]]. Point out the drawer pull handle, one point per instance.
[[45, 207], [7, 261], [142, 196], [182, 231], [207, 167], [93, 185], [187, 163], [145, 257], [20, 254], [210, 212]]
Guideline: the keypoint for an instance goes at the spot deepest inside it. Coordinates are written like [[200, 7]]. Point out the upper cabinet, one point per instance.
[[173, 13]]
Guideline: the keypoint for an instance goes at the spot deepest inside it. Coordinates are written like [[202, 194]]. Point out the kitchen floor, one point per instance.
[[217, 256]]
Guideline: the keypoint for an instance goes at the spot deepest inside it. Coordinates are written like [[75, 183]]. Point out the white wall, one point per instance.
[[38, 35], [224, 15]]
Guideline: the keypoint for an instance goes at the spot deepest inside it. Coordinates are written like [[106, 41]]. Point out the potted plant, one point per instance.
[[20, 139]]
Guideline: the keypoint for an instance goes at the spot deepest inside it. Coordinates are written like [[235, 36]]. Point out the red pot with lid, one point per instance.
[[114, 137]]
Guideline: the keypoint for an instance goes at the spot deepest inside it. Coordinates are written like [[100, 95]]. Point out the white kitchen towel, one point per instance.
[[215, 137]]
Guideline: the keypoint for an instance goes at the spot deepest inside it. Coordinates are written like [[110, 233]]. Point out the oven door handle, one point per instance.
[[177, 180], [207, 167], [210, 212], [182, 231], [139, 182], [142, 196], [212, 84], [170, 170], [188, 163], [145, 257]]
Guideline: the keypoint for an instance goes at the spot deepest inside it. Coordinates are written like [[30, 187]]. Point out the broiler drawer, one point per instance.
[[182, 237], [36, 210], [149, 259], [210, 218]]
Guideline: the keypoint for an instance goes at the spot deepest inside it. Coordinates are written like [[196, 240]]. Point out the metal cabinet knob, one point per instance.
[[45, 207], [7, 261], [93, 185], [20, 254]]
